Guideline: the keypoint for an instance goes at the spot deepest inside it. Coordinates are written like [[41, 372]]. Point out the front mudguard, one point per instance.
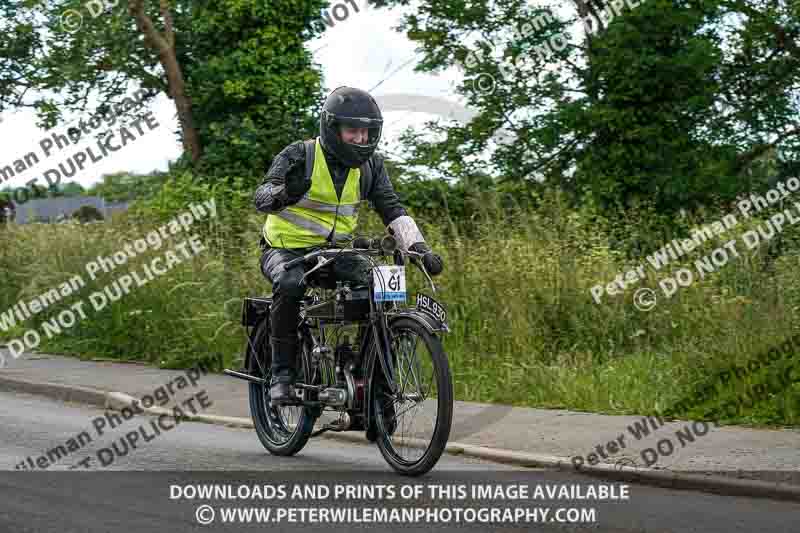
[[433, 325]]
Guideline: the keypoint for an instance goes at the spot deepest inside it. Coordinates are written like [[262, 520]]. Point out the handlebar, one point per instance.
[[386, 245], [376, 246]]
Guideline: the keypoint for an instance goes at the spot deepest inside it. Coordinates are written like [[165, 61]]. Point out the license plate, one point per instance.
[[389, 283], [432, 307]]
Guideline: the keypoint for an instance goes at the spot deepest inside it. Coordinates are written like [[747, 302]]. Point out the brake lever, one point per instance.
[[416, 258]]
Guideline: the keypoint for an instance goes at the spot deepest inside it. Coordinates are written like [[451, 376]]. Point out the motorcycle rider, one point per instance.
[[311, 193]]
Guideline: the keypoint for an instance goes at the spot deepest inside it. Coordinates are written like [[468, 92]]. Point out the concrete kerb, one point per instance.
[[118, 400], [673, 480], [64, 393], [722, 485], [679, 481]]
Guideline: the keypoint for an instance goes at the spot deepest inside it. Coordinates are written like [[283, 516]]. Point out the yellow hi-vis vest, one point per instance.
[[310, 221]]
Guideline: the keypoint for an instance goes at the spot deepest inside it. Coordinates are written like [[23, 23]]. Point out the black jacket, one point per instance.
[[288, 168]]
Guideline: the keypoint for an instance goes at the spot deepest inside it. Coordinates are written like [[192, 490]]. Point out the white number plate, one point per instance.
[[390, 283]]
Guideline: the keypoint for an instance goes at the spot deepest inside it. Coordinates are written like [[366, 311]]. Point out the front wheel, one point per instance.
[[414, 423]]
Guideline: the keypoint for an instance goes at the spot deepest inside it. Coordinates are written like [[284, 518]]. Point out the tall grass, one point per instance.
[[525, 329]]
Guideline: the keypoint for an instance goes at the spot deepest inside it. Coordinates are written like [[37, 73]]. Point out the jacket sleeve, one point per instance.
[[382, 195], [286, 170]]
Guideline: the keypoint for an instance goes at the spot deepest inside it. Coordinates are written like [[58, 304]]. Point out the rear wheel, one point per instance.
[[283, 430], [413, 424]]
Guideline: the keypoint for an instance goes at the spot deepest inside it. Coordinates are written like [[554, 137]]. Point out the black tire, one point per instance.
[[444, 405], [277, 436]]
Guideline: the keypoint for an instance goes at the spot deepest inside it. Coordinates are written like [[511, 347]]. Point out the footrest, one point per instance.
[[244, 376], [307, 387]]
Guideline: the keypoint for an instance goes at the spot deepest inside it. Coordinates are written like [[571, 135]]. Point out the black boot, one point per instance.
[[281, 390], [284, 360]]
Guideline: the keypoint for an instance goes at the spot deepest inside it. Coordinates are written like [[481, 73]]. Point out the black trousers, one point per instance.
[[288, 292]]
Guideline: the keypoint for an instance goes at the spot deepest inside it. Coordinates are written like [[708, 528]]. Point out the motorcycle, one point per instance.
[[359, 360]]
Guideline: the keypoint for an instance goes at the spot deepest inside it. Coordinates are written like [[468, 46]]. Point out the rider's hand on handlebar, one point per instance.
[[432, 262]]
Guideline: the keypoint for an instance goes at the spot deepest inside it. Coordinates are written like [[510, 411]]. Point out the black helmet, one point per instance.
[[353, 108]]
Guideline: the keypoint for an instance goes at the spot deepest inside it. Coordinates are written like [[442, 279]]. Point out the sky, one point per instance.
[[361, 50]]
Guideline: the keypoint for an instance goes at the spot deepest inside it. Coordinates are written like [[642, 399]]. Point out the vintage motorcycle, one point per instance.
[[373, 362]]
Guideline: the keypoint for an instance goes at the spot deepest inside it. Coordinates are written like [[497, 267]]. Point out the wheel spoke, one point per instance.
[[414, 374], [398, 368], [389, 403], [431, 384], [403, 384], [406, 410], [410, 369]]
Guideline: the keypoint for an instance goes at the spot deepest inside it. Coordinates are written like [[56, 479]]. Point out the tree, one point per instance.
[[72, 188], [87, 213], [242, 82], [126, 187], [19, 42], [672, 101]]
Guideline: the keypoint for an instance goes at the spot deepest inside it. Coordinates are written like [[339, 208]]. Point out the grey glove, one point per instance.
[[432, 262]]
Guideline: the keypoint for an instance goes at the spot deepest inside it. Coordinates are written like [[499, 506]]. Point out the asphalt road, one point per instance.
[[135, 491]]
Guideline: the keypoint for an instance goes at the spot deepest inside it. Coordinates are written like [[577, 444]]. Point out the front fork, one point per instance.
[[384, 345], [378, 361]]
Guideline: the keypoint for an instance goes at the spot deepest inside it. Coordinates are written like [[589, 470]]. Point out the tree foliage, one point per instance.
[[675, 102], [71, 188], [242, 82], [126, 187], [87, 213]]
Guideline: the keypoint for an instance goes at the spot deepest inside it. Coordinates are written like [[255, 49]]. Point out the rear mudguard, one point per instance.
[[251, 341], [254, 311]]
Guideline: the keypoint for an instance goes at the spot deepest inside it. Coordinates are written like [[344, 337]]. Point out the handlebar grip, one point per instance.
[[363, 243], [293, 263], [387, 243]]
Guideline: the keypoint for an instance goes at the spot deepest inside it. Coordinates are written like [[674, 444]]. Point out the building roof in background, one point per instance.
[[52, 208]]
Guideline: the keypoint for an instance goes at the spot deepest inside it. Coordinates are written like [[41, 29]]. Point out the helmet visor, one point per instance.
[[373, 127]]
